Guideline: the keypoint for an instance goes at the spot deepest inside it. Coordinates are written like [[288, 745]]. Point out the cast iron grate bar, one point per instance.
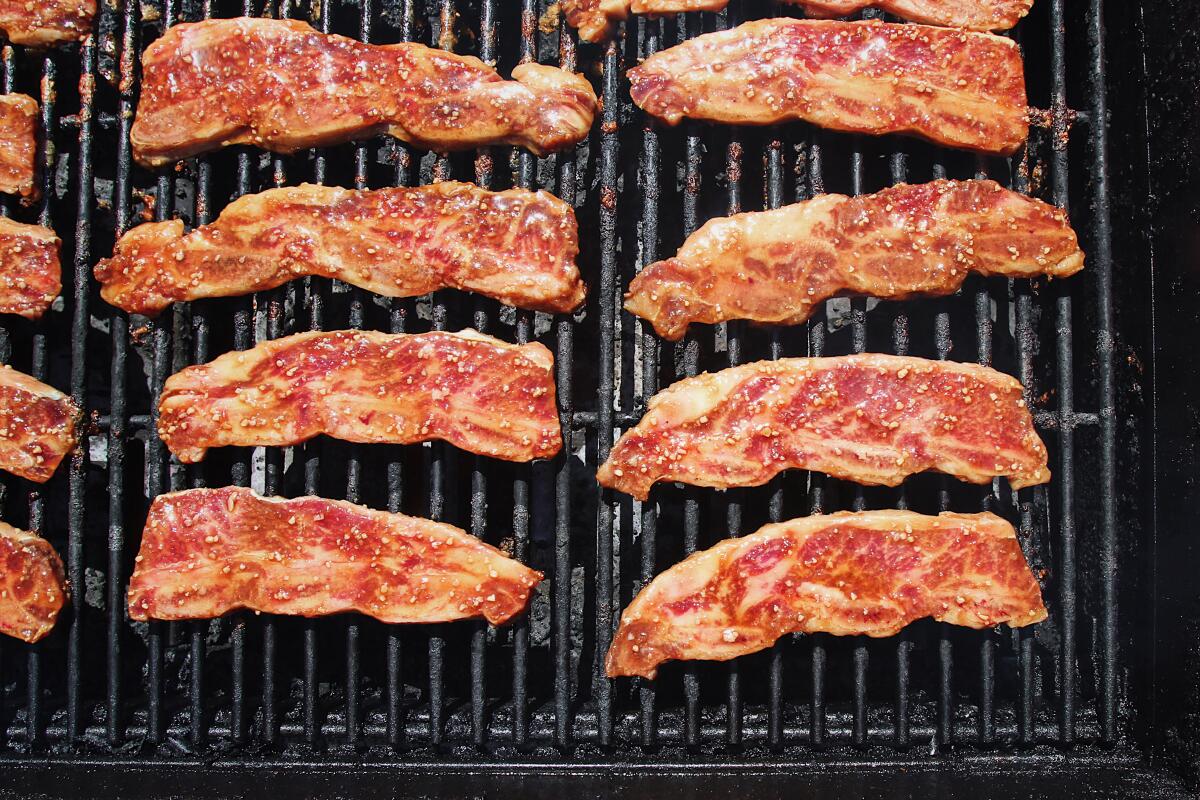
[[816, 348], [607, 293], [6, 204], [987, 680], [773, 164], [355, 319], [898, 166], [80, 324], [119, 334], [561, 589], [522, 485], [650, 168], [479, 478], [1066, 402], [732, 334], [561, 584], [399, 314], [711, 734], [858, 332], [1023, 300], [34, 714], [1101, 265]]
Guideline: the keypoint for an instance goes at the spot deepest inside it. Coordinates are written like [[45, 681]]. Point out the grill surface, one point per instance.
[[265, 690]]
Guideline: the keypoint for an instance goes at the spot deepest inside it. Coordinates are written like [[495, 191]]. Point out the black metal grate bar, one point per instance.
[[9, 80], [355, 319], [34, 715], [987, 679], [858, 332], [1023, 499], [561, 582], [607, 294], [119, 333], [773, 165], [688, 359], [649, 344], [1101, 265], [1066, 400], [80, 323], [478, 527], [156, 456], [732, 334], [398, 318], [670, 735], [816, 348], [898, 167]]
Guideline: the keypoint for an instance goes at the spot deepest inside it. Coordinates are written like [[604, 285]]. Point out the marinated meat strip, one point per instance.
[[206, 552], [975, 15], [597, 19], [867, 572], [952, 87], [478, 393], [281, 85], [33, 586], [516, 246], [37, 426], [779, 266], [874, 419], [47, 22], [18, 144], [30, 272]]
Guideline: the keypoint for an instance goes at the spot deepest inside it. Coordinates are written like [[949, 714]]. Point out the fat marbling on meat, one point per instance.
[[516, 246], [18, 144], [596, 19], [975, 15], [45, 23], [474, 391], [38, 426], [870, 418], [955, 88], [30, 271], [852, 573], [284, 86], [206, 552], [33, 586], [779, 266]]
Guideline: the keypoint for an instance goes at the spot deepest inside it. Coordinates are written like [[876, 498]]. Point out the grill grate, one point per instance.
[[262, 687]]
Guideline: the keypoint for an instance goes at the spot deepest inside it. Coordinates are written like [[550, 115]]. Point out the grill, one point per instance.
[[108, 706]]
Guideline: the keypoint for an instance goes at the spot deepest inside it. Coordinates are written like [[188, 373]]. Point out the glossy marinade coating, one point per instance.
[[975, 15], [476, 392], [18, 144], [206, 552], [281, 85], [779, 266], [867, 572], [597, 19], [874, 419], [33, 586], [37, 426], [952, 87], [30, 271], [41, 23], [516, 246]]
